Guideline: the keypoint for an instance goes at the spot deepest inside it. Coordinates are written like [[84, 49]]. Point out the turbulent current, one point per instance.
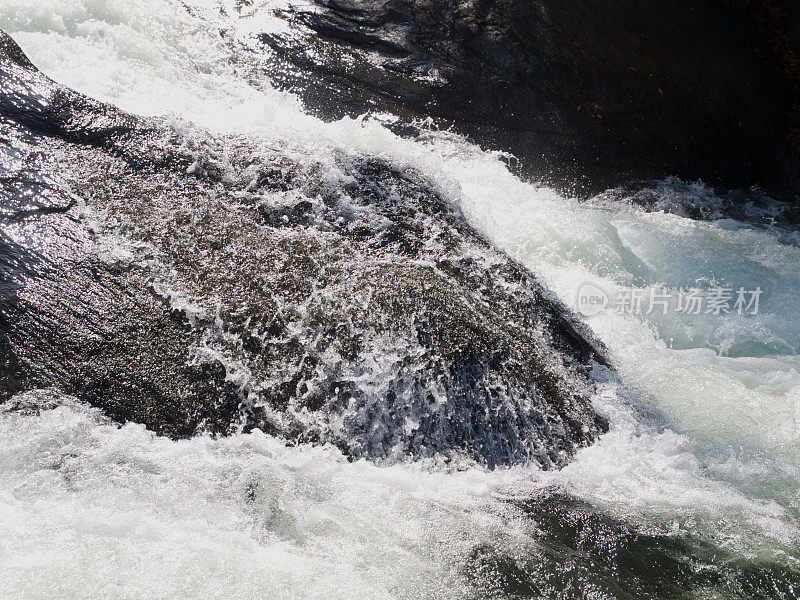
[[693, 492]]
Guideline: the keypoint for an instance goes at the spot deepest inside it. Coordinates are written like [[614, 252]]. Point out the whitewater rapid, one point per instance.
[[704, 436]]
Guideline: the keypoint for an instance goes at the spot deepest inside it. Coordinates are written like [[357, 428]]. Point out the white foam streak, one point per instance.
[[93, 510]]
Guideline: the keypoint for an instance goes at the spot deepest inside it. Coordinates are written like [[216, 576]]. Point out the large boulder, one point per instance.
[[199, 283], [593, 95]]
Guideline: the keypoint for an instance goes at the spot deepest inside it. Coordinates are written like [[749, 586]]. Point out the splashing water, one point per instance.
[[703, 440]]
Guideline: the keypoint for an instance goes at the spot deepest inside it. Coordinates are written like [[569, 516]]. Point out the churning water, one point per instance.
[[704, 437]]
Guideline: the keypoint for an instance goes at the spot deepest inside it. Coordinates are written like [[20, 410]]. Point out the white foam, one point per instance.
[[124, 514]]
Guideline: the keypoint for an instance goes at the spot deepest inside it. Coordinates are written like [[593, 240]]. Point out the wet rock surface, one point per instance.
[[584, 95], [585, 553], [198, 283]]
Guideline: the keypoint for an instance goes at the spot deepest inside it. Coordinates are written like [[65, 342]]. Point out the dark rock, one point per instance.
[[578, 551], [228, 286], [68, 320], [595, 95]]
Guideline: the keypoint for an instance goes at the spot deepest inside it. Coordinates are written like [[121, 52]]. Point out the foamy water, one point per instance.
[[704, 437]]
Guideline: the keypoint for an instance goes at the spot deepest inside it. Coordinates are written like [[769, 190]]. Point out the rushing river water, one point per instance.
[[703, 443]]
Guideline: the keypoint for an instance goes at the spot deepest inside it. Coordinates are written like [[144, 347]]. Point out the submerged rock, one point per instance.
[[579, 551], [200, 283], [593, 95]]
